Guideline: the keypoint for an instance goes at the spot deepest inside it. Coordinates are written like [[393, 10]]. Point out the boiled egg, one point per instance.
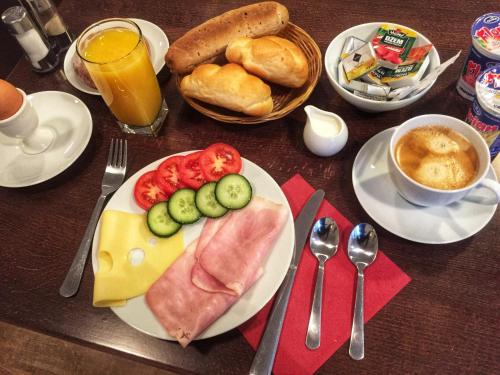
[[10, 100]]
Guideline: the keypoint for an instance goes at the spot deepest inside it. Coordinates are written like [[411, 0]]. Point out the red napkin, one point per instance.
[[383, 280]]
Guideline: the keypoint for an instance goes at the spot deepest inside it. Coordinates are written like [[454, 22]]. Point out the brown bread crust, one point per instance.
[[212, 37], [229, 86]]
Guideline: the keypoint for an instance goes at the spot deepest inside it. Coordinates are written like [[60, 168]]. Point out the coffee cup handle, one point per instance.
[[492, 185]]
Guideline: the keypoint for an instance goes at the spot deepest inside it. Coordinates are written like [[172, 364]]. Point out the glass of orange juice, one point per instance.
[[117, 59]]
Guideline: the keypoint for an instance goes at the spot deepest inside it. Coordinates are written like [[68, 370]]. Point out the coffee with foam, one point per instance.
[[437, 157]]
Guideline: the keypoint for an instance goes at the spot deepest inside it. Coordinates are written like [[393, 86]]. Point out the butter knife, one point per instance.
[[264, 358]]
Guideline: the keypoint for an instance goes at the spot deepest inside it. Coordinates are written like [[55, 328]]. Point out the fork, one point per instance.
[[111, 181]]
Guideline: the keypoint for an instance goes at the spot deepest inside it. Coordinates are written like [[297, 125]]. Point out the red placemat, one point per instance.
[[383, 280]]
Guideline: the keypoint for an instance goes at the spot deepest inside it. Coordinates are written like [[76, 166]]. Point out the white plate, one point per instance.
[[70, 119], [138, 315], [158, 43], [433, 225]]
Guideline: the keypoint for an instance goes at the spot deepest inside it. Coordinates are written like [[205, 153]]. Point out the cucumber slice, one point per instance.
[[233, 191], [159, 221], [207, 203], [182, 208]]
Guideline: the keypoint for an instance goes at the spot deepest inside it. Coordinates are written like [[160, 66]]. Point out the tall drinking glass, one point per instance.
[[116, 56]]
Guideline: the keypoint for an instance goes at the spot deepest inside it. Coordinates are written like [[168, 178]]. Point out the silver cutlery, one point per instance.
[[362, 250], [114, 175], [264, 358], [324, 242]]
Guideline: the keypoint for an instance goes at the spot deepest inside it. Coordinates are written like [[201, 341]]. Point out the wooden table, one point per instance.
[[444, 321]]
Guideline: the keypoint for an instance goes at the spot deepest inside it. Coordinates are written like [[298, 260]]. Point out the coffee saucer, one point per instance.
[[158, 46], [69, 118], [432, 225]]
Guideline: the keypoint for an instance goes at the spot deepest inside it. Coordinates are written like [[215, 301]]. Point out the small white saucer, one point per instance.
[[158, 44], [69, 118], [433, 225]]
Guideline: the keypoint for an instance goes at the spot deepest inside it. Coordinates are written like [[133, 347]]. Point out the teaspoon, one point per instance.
[[362, 249], [324, 243]]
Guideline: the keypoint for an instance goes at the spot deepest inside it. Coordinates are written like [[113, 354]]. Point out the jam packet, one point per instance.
[[392, 44]]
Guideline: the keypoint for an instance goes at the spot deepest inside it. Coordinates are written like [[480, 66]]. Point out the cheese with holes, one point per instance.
[[130, 257]]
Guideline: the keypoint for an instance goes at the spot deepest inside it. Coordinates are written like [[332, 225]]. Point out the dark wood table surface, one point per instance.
[[445, 321]]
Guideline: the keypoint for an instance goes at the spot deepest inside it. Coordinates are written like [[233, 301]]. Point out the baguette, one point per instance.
[[273, 58], [212, 37], [229, 86]]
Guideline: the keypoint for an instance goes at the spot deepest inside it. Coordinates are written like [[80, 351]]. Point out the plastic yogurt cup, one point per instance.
[[484, 52], [484, 114]]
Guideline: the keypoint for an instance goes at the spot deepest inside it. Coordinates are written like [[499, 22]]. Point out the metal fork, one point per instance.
[[111, 181]]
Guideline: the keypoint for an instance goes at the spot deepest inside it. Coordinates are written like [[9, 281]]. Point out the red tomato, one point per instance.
[[190, 171], [218, 160], [168, 176], [146, 192]]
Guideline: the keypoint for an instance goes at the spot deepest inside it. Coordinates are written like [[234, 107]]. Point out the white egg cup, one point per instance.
[[23, 126]]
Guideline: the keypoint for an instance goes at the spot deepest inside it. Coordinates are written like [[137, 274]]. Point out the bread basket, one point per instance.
[[285, 99]]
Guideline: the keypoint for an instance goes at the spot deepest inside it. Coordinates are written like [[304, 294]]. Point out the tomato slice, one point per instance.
[[168, 176], [147, 192], [218, 160], [191, 173]]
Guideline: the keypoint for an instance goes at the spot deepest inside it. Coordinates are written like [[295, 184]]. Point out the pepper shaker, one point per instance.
[[35, 46], [45, 14]]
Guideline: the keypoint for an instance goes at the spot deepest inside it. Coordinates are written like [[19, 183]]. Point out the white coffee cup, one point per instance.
[[23, 125], [423, 195]]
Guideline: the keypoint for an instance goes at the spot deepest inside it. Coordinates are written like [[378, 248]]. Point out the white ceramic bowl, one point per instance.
[[366, 31]]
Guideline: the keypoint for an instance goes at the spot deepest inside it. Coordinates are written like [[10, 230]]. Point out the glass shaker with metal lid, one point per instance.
[[35, 46], [45, 14]]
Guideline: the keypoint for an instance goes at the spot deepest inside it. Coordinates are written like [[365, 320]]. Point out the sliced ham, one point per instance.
[[236, 252], [183, 309], [215, 269], [199, 276]]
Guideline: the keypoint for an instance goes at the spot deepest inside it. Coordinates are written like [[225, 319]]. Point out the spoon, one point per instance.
[[324, 243], [362, 249]]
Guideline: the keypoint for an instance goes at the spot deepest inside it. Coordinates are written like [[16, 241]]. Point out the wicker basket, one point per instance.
[[285, 99]]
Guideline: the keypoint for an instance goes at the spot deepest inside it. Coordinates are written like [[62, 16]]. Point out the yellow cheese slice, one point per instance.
[[130, 257]]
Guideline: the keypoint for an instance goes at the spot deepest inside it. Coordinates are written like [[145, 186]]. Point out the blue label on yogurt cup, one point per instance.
[[484, 114], [483, 54]]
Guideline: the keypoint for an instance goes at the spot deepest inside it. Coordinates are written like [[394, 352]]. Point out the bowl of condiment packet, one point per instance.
[[369, 65]]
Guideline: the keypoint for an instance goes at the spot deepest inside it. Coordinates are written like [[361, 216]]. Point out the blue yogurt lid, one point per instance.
[[485, 32]]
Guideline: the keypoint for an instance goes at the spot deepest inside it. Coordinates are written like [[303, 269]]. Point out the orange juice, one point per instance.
[[118, 62]]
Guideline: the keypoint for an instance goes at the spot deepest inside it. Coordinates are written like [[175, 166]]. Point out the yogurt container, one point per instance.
[[484, 114], [484, 52]]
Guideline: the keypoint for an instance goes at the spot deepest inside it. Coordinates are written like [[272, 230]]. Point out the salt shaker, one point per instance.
[[35, 46], [45, 14]]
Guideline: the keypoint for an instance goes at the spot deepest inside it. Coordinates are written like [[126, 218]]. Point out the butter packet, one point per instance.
[[392, 44], [351, 44], [379, 98], [359, 86], [360, 62]]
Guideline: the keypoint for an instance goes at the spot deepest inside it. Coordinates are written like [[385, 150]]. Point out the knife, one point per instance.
[[264, 358]]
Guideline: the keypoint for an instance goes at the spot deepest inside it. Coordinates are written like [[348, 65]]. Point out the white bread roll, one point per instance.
[[212, 37], [273, 58], [229, 86]]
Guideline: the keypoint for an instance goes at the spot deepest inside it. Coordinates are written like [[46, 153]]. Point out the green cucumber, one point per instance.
[[207, 203], [159, 221], [182, 208], [233, 191]]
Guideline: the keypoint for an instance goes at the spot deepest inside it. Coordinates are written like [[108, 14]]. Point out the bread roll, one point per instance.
[[273, 58], [229, 86], [212, 37]]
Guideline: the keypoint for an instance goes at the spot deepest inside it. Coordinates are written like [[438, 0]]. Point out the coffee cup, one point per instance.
[[424, 195]]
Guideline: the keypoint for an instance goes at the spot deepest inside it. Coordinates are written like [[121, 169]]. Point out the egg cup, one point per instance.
[[23, 125]]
